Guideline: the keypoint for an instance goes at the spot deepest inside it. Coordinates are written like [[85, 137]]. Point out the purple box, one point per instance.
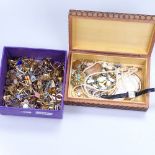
[[10, 52]]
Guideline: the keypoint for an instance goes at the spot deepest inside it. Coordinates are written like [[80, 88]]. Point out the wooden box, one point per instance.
[[118, 38]]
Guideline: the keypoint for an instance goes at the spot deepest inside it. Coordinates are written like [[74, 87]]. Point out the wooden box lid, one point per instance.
[[114, 33]]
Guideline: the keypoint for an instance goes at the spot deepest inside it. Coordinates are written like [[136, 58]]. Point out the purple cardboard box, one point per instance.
[[10, 52]]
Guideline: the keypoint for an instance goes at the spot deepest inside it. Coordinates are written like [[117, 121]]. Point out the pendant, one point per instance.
[[128, 83]]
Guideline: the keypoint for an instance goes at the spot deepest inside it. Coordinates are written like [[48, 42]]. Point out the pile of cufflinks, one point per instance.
[[34, 83]]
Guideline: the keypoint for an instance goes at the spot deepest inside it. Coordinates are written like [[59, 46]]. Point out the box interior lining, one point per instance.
[[111, 36]]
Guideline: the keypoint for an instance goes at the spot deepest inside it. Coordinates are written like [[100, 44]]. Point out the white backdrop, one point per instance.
[[84, 130]]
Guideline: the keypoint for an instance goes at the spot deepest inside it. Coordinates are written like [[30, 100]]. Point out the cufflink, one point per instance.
[[131, 94]]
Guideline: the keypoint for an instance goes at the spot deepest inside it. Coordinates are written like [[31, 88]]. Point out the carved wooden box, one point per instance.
[[122, 41]]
